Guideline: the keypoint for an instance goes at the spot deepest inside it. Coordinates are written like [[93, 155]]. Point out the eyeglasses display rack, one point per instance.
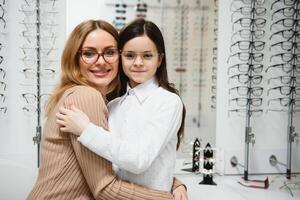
[[37, 137], [248, 56], [40, 37], [286, 20], [3, 69]]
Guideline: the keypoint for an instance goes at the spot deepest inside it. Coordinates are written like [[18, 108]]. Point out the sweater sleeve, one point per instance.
[[98, 171]]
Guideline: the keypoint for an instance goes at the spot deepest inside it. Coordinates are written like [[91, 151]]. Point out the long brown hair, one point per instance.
[[140, 27], [70, 69]]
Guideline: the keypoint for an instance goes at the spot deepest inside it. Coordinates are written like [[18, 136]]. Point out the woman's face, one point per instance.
[[99, 58], [140, 60]]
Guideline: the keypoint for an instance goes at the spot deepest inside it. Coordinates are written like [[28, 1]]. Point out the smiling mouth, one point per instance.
[[138, 71], [102, 72]]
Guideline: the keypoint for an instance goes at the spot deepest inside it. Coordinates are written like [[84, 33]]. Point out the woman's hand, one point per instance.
[[180, 193], [72, 121]]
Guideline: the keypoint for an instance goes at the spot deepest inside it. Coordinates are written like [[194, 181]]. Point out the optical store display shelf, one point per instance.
[[228, 188]]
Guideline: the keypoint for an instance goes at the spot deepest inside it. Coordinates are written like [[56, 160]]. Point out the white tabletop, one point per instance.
[[228, 188]]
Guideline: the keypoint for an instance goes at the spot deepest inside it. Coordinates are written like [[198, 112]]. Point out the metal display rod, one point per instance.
[[291, 134], [37, 137], [249, 136]]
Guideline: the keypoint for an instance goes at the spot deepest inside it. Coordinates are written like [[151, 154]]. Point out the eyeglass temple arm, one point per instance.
[[3, 71], [268, 92], [3, 97], [230, 57], [272, 17], [2, 83], [273, 24], [270, 79], [271, 57], [274, 4]]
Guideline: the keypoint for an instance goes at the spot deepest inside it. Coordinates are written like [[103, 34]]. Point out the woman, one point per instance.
[[68, 170], [147, 122]]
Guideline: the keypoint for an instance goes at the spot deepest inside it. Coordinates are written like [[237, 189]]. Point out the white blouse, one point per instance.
[[142, 139]]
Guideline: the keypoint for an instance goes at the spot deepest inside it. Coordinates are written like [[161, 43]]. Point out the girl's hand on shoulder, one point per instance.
[[72, 120], [180, 193]]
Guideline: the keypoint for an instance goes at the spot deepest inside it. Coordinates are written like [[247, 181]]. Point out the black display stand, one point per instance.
[[208, 166], [196, 157]]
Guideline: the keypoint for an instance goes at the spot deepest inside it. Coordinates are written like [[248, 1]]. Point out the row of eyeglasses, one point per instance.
[[285, 57], [180, 53], [245, 66], [121, 10], [39, 51], [181, 27], [215, 58], [3, 13]]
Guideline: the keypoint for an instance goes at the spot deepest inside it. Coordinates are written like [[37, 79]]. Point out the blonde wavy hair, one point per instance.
[[70, 68]]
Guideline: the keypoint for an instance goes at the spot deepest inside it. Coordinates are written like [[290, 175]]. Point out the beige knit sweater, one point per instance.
[[68, 170]]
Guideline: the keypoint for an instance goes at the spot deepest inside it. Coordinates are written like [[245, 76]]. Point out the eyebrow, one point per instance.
[[146, 51], [107, 47]]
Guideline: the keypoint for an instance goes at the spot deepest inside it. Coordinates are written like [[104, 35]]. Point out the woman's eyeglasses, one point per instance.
[[91, 56]]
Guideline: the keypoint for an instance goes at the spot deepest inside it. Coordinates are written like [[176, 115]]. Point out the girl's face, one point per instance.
[[140, 60], [99, 58]]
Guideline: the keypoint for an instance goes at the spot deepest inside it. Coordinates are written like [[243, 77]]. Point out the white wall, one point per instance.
[[78, 11]]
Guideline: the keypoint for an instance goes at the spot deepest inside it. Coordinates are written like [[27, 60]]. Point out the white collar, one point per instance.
[[141, 91]]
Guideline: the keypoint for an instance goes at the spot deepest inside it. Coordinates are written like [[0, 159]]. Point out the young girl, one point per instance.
[[146, 123]]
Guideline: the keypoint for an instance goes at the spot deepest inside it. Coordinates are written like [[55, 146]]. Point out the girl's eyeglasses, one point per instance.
[[131, 56]]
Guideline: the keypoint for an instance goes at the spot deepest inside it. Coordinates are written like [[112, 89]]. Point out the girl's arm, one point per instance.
[[97, 171], [133, 156]]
